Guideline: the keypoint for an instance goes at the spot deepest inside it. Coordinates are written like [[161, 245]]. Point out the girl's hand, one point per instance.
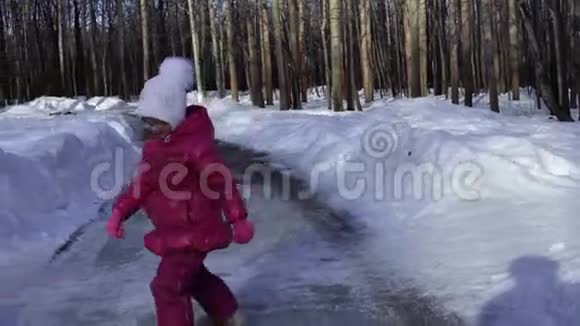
[[115, 226], [243, 231]]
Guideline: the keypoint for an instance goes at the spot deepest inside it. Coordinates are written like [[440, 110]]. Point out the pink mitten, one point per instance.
[[243, 231], [115, 225]]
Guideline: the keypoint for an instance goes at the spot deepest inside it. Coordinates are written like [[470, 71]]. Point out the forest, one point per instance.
[[280, 49]]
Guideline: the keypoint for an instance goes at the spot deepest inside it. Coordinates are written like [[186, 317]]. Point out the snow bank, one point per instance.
[[107, 103], [47, 106], [46, 171], [453, 196]]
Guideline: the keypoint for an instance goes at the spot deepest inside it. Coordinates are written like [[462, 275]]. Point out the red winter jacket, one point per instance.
[[184, 187]]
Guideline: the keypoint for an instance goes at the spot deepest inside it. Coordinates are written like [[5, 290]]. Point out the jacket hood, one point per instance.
[[197, 123]]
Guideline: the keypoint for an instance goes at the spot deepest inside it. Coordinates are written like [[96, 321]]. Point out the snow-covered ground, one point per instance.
[[473, 208], [50, 150]]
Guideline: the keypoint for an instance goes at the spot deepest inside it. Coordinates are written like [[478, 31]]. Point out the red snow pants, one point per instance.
[[181, 277]]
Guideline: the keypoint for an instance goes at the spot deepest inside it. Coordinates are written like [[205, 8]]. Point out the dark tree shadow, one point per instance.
[[538, 297]]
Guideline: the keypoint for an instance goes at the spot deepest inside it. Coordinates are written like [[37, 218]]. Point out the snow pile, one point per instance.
[[47, 106], [107, 103], [453, 196], [54, 177]]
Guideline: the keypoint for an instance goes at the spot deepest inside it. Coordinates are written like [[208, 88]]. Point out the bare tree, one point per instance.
[[254, 55], [335, 18], [3, 59], [294, 41], [515, 53], [366, 49], [545, 85], [423, 47], [302, 64], [280, 57], [266, 53], [467, 49], [415, 47], [61, 27], [231, 50], [196, 47], [560, 47], [575, 53], [144, 36], [454, 50], [489, 53], [121, 34], [216, 47], [327, 67]]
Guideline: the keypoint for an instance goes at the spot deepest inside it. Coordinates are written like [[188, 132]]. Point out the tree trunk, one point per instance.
[[545, 86], [478, 48], [454, 49], [346, 45], [467, 49], [121, 22], [3, 59], [335, 17], [324, 33], [280, 62], [489, 55], [442, 49], [104, 73], [145, 39], [575, 54], [79, 55], [294, 40], [266, 53], [434, 50], [61, 27], [302, 64], [27, 68], [172, 32], [254, 58], [231, 50], [15, 82], [352, 98], [197, 57], [399, 47], [560, 46], [182, 41], [216, 49], [366, 49], [515, 55], [93, 47], [414, 48], [423, 48], [503, 41]]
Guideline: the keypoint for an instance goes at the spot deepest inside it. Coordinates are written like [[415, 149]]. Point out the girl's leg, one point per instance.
[[214, 296], [172, 287]]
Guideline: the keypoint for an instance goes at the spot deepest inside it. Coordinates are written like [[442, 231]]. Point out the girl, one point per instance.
[[185, 190]]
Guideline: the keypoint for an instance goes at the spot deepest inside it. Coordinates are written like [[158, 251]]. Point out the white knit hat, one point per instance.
[[164, 96]]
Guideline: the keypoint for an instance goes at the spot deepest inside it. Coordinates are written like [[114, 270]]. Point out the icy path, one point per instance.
[[307, 266]]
